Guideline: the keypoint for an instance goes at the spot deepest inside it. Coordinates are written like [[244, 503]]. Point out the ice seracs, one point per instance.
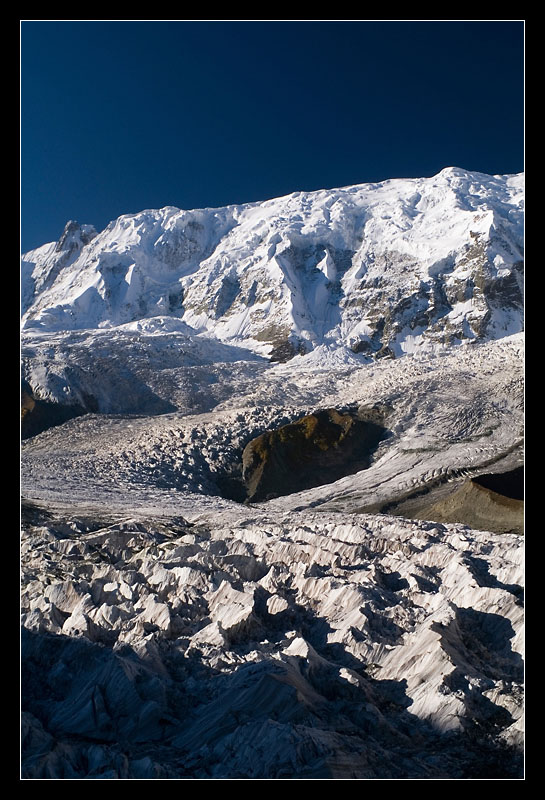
[[229, 648]]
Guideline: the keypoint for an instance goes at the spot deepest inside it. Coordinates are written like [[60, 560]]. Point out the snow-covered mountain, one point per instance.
[[380, 268], [363, 620]]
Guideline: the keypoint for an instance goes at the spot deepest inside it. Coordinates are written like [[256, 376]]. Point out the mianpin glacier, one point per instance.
[[272, 488]]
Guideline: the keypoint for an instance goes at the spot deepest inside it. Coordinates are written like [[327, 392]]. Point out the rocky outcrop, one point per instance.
[[484, 503], [316, 449], [491, 502]]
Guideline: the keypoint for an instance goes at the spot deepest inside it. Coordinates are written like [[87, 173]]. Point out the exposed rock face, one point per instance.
[[319, 448], [74, 237]]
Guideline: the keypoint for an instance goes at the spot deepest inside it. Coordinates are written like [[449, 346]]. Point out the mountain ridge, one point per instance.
[[378, 268]]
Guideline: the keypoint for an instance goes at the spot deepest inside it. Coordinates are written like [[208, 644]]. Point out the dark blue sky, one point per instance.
[[121, 116]]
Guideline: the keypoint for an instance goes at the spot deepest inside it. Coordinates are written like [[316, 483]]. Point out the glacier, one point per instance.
[[368, 627]]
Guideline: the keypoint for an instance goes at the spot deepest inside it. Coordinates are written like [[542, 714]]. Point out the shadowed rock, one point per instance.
[[39, 415], [487, 502], [490, 502], [317, 449]]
